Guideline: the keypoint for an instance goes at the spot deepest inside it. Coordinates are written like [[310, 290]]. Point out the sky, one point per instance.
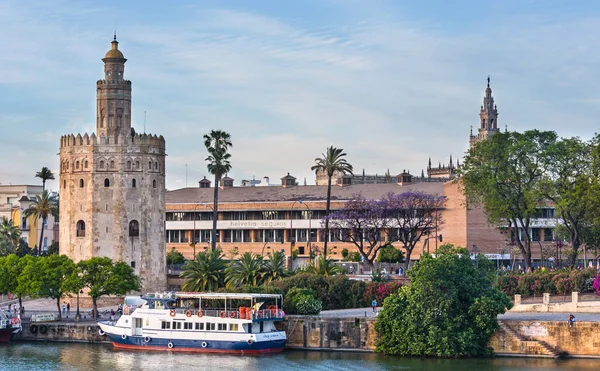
[[393, 83]]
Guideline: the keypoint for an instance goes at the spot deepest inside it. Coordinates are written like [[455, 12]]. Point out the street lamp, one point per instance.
[[77, 315], [292, 240]]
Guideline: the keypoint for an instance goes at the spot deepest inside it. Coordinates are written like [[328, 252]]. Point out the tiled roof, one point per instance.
[[306, 193]]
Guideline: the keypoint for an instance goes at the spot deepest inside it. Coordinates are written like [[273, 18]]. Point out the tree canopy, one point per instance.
[[449, 309]]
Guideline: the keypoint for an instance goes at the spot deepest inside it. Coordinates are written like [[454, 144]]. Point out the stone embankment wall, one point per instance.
[[85, 332], [314, 332]]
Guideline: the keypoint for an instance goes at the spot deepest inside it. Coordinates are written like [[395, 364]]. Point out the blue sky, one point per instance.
[[391, 82]]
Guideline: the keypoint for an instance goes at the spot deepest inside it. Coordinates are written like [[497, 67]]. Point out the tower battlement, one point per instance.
[[72, 140]]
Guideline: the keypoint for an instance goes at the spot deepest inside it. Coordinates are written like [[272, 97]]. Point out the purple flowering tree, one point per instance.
[[361, 222], [411, 216]]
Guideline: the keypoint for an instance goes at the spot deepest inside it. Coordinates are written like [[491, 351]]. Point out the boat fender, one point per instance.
[[172, 312], [222, 314], [204, 344], [250, 341], [170, 345], [100, 332], [188, 313], [33, 329], [43, 329], [199, 313], [147, 339], [15, 321], [232, 314]]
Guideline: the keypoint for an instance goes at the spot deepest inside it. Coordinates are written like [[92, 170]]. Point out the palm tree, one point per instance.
[[274, 268], [41, 207], [246, 271], [204, 273], [331, 162], [10, 233], [44, 174], [324, 267], [217, 142]]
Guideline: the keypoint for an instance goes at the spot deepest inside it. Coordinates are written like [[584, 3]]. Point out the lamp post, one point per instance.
[[77, 315]]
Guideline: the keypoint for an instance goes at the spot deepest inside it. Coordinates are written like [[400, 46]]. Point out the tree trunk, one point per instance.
[[59, 311], [43, 185], [327, 208], [215, 207], [20, 305], [41, 237], [94, 308], [409, 250]]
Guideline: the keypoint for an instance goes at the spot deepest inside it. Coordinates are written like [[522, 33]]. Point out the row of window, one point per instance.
[[246, 215], [107, 183], [109, 165], [200, 326], [134, 228]]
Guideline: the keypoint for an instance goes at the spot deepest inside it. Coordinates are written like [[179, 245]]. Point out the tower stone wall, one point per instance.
[[112, 185]]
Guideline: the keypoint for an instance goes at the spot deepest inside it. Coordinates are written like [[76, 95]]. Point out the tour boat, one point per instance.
[[9, 326], [200, 322]]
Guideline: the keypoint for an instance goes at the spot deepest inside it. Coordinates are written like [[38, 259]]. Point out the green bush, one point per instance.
[[562, 283], [308, 304], [508, 283], [525, 285], [292, 298], [542, 283]]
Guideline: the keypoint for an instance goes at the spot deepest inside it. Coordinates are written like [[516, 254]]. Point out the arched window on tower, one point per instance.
[[77, 165], [133, 183], [85, 164], [134, 228], [101, 164], [156, 166], [492, 123], [81, 183], [149, 165], [137, 165], [64, 184], [112, 164], [106, 182], [154, 183], [80, 228], [482, 123], [128, 165]]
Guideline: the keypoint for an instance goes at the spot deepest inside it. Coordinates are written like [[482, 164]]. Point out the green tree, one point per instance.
[[205, 273], [41, 207], [45, 277], [11, 267], [217, 142], [571, 183], [248, 271], [101, 276], [324, 267], [274, 267], [175, 257], [331, 161], [503, 175], [10, 234], [390, 254], [44, 174], [449, 309]]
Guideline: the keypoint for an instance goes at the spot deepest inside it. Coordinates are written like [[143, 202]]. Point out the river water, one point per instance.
[[71, 357]]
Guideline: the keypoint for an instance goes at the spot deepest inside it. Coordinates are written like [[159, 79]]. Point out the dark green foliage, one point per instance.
[[449, 309], [545, 281], [390, 254], [302, 301], [175, 257], [251, 290]]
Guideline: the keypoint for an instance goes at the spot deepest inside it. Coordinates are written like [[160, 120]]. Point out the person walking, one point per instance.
[[374, 305], [68, 309], [64, 308]]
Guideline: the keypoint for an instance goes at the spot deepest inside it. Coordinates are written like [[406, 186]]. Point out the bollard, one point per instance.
[[575, 297], [546, 298], [517, 300]]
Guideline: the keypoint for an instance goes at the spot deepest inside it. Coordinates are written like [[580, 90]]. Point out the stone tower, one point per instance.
[[112, 185], [488, 116]]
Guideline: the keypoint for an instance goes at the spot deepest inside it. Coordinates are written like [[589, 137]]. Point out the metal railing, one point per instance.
[[233, 314]]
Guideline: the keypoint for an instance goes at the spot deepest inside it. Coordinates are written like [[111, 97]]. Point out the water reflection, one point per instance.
[[41, 356]]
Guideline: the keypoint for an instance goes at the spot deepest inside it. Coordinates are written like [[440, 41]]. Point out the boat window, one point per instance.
[[249, 328], [262, 326], [188, 326], [199, 326], [210, 326], [159, 305], [166, 325], [233, 327], [176, 325], [139, 323], [222, 327]]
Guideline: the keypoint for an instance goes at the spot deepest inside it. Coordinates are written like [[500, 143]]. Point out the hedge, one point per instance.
[[545, 281]]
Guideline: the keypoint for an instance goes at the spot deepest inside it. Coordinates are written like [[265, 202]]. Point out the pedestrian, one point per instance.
[[112, 314], [68, 309], [374, 305], [64, 308], [571, 320]]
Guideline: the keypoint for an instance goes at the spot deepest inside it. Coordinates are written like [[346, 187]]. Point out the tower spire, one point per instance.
[[488, 81]]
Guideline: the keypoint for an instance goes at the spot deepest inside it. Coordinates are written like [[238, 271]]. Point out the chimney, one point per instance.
[[226, 182], [404, 178], [288, 181], [204, 183]]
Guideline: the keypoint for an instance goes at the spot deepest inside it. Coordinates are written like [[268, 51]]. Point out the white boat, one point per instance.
[[200, 322], [9, 325]]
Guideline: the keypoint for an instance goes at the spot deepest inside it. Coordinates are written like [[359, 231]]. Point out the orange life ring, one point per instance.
[[222, 314], [172, 313], [199, 313], [15, 321], [232, 314], [188, 313], [126, 310]]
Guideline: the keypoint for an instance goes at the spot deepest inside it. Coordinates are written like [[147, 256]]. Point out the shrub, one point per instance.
[[562, 283], [542, 283], [307, 304], [596, 285], [379, 291], [290, 301], [525, 284], [508, 283]]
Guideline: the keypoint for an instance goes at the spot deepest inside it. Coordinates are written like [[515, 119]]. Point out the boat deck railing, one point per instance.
[[260, 315]]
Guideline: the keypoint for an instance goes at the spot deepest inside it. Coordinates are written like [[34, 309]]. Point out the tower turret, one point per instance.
[[113, 96], [488, 116]]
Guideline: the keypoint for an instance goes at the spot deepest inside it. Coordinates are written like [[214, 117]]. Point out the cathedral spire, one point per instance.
[[488, 115]]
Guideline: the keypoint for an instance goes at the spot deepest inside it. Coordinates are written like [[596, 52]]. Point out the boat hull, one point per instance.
[[6, 334], [198, 346]]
